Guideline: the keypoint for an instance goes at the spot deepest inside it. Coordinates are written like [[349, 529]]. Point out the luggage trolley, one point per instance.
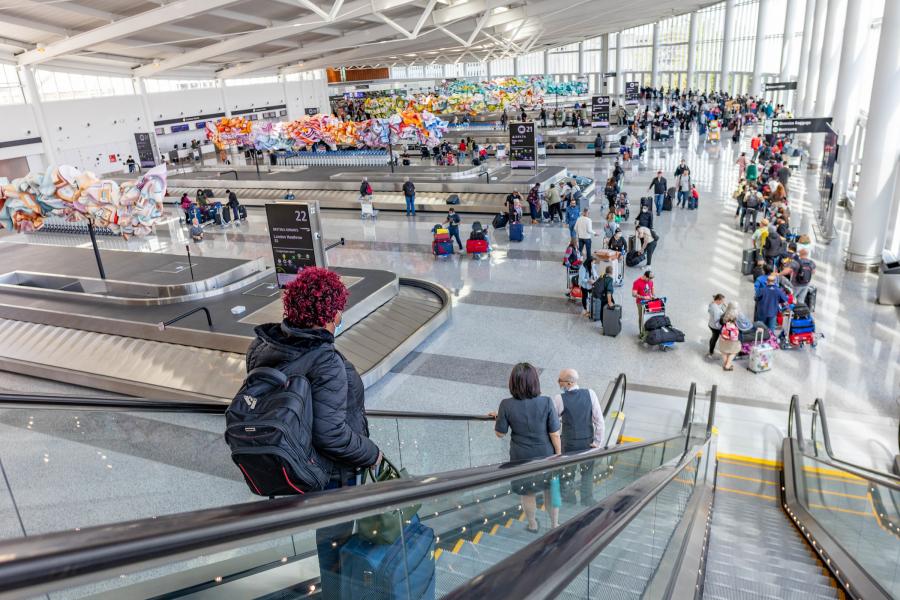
[[798, 331], [367, 209], [573, 292], [647, 309]]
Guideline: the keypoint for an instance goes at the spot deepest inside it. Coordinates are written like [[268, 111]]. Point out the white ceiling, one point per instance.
[[231, 38]]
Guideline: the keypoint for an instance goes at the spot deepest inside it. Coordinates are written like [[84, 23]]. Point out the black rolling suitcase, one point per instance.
[[612, 320], [632, 243], [242, 212], [667, 202], [596, 307], [748, 261], [811, 298]]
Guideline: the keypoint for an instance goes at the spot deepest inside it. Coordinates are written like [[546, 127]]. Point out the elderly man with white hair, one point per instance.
[[582, 428]]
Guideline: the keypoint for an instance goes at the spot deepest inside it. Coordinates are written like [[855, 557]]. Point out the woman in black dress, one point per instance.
[[535, 434]]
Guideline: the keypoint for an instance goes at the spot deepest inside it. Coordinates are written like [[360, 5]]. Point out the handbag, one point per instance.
[[385, 528]]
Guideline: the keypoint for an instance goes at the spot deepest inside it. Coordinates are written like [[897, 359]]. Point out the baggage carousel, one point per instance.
[[481, 190], [144, 330]]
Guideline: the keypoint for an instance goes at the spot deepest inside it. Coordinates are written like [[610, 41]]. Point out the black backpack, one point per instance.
[[804, 273], [268, 427]]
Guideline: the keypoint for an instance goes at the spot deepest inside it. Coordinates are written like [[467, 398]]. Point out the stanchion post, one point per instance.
[[96, 248], [190, 264]]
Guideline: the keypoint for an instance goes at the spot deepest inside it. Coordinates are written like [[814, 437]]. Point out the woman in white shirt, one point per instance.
[[587, 275], [715, 310]]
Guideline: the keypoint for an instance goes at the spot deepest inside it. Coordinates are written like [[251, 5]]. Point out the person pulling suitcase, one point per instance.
[[610, 312]]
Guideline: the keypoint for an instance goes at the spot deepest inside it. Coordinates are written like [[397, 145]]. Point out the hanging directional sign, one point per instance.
[[781, 85], [612, 74], [600, 111], [814, 125], [632, 91]]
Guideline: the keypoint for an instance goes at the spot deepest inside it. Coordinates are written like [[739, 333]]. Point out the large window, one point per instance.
[[773, 36], [502, 66], [710, 35], [56, 85], [10, 86], [745, 16], [399, 72], [637, 49], [251, 80], [476, 69], [563, 61], [177, 85], [436, 71], [531, 64]]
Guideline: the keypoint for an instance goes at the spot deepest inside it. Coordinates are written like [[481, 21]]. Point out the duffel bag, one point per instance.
[[664, 335], [657, 322], [634, 258]]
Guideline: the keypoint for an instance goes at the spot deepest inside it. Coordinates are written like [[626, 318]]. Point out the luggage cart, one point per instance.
[[367, 210], [573, 293], [648, 309]]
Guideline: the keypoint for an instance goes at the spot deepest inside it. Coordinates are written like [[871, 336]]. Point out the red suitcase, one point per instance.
[[476, 246]]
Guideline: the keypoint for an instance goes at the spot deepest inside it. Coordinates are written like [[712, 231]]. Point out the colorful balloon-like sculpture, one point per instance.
[[422, 127], [130, 208]]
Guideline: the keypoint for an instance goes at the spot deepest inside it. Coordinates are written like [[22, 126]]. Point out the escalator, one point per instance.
[[267, 548]]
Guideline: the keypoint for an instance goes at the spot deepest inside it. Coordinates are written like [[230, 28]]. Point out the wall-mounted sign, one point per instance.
[[813, 125], [775, 86], [200, 125], [522, 148], [282, 112], [160, 131], [180, 127], [632, 92], [295, 237], [311, 111], [269, 115], [612, 74], [600, 111], [146, 149]]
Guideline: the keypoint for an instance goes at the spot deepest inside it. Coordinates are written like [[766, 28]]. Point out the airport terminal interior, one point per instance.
[[573, 250]]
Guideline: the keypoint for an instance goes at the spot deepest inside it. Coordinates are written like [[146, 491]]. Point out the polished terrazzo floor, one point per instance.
[[511, 308]]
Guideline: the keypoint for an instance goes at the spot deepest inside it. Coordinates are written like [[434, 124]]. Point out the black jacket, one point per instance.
[[659, 185], [340, 429], [645, 219]]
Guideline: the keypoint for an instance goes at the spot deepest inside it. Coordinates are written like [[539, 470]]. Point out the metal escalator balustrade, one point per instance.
[[846, 512], [468, 511]]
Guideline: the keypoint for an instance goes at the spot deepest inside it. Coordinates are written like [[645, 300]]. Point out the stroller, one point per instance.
[[478, 243], [655, 327], [622, 211]]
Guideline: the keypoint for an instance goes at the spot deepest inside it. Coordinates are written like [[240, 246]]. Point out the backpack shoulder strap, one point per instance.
[[275, 376]]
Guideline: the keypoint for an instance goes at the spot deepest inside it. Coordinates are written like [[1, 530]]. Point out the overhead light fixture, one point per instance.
[[41, 47], [500, 9]]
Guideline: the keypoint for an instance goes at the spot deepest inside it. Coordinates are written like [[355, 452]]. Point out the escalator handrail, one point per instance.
[[47, 560], [566, 551], [620, 386], [820, 415], [131, 403]]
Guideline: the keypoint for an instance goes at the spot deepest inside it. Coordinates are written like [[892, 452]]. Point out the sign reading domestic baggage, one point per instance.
[[776, 86], [813, 125], [600, 111], [632, 92], [146, 147], [296, 242], [522, 149]]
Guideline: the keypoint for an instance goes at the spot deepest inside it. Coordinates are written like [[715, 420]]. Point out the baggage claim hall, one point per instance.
[[459, 299]]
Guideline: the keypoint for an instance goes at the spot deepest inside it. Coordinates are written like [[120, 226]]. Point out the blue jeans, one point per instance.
[[683, 198], [329, 541], [584, 244], [771, 323], [659, 203], [411, 205], [235, 212], [572, 230], [454, 232]]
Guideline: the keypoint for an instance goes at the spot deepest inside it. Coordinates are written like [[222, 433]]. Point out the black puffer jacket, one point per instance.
[[340, 429]]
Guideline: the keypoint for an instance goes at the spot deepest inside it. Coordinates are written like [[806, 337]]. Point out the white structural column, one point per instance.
[[815, 59], [140, 89], [788, 47], [604, 65], [854, 83], [727, 45], [546, 57], [654, 64], [224, 97], [805, 45], [580, 58], [692, 52], [756, 86], [881, 150], [620, 86], [287, 99], [828, 75], [37, 108]]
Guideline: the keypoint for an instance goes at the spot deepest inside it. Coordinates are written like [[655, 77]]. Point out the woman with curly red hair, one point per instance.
[[303, 344]]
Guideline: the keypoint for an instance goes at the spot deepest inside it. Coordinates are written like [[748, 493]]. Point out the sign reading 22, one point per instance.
[[301, 216]]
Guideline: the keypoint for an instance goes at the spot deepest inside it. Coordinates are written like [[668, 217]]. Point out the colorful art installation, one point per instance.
[[130, 208], [421, 127], [475, 97]]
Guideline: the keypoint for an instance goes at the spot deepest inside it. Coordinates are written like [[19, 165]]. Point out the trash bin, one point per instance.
[[888, 290]]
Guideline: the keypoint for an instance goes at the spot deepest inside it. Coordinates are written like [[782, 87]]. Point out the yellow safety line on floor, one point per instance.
[[742, 478], [842, 495], [628, 438], [743, 493], [458, 546], [748, 459], [494, 529], [477, 537], [509, 524], [437, 553], [522, 517], [843, 510], [687, 481], [837, 474]]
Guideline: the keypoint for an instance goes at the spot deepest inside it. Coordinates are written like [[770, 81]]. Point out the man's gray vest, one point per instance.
[[577, 423]]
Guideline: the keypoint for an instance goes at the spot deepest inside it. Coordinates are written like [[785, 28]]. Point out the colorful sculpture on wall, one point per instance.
[[130, 208], [474, 97], [423, 127]]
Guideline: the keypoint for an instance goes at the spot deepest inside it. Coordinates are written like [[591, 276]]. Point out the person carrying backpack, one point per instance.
[[365, 189], [409, 193], [333, 445], [802, 276]]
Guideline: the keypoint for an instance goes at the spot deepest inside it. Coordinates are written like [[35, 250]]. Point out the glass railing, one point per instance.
[[849, 513]]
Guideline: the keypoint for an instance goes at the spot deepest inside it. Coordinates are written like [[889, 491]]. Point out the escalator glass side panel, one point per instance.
[[858, 514], [626, 566], [120, 465], [445, 541]]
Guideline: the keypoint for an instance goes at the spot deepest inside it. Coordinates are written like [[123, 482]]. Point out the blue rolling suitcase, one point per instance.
[[403, 570], [516, 232], [442, 248]]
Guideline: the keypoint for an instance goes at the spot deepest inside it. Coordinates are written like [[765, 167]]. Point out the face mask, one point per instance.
[[339, 327]]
